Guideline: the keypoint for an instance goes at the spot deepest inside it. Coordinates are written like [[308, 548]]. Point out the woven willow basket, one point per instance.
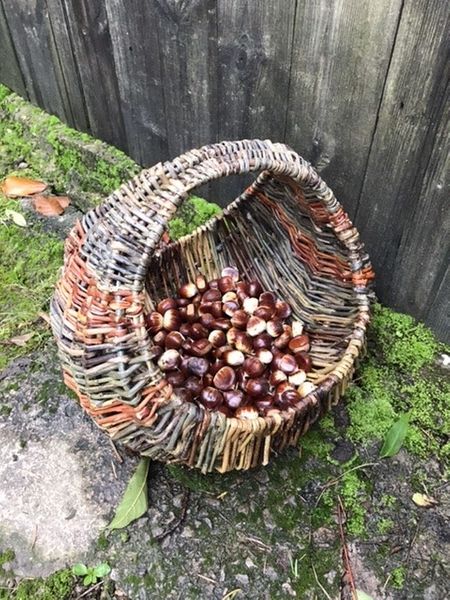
[[287, 230]]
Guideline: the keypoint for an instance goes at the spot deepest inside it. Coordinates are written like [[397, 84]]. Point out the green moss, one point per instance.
[[398, 376], [194, 212], [398, 576], [4, 91], [6, 556], [29, 263], [385, 525], [58, 586]]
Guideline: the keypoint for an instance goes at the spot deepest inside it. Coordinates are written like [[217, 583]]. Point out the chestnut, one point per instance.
[[277, 377], [217, 338], [255, 326], [225, 378], [253, 366], [160, 338], [232, 335], [283, 340], [174, 340], [265, 403], [226, 284], [254, 288], [230, 297], [211, 398], [207, 320], [170, 359], [230, 307], [231, 272], [183, 302], [242, 290], [216, 309], [306, 388], [264, 355], [187, 346], [262, 341], [282, 309], [213, 284], [198, 331], [205, 308], [257, 387], [243, 342], [250, 305], [274, 327], [268, 299], [297, 328], [247, 412], [297, 378], [223, 324], [303, 360], [264, 312], [216, 366], [155, 322], [220, 352], [156, 352], [175, 378], [191, 312], [287, 364], [201, 283], [234, 399], [188, 290], [300, 343], [171, 319], [239, 319], [234, 358], [165, 304], [201, 347], [211, 295], [183, 394], [185, 329], [197, 365], [194, 384]]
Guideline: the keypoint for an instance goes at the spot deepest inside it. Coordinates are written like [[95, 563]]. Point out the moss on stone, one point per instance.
[[397, 577], [58, 586], [194, 212]]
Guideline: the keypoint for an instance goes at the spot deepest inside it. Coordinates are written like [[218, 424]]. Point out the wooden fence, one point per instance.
[[358, 87]]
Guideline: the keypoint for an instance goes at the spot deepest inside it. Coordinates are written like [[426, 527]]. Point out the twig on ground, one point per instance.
[[339, 477], [179, 521], [347, 580], [92, 588], [207, 578], [33, 543], [116, 452], [113, 469]]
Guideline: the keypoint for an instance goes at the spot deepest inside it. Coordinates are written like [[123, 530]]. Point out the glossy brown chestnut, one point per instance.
[[201, 283], [303, 361], [239, 319], [174, 340], [171, 319], [170, 359], [198, 331], [159, 338], [283, 340], [217, 338], [232, 272], [257, 387], [201, 347], [207, 320], [255, 326], [155, 322], [183, 394], [211, 398], [188, 290], [262, 341], [243, 342], [247, 412], [211, 295], [242, 290], [297, 378], [222, 323], [225, 378], [264, 312], [194, 384], [254, 288], [191, 313], [230, 297], [220, 352], [250, 305], [267, 298], [216, 309], [185, 329], [232, 335], [230, 307], [234, 399], [265, 403], [300, 343], [274, 327], [234, 358], [226, 284], [216, 366], [277, 377], [282, 309], [175, 378], [287, 364], [253, 367], [183, 302], [264, 355], [165, 304]]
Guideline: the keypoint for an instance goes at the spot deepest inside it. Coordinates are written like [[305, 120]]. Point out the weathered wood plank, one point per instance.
[[399, 210], [28, 19], [438, 316], [137, 62], [340, 58], [10, 73], [89, 31], [64, 58], [254, 59]]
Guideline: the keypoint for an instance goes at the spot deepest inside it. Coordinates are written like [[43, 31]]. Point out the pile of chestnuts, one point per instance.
[[231, 346]]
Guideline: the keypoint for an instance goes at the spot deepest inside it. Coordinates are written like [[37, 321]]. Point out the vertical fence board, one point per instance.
[[340, 59], [136, 55], [413, 106], [254, 58], [91, 41], [10, 73], [28, 19]]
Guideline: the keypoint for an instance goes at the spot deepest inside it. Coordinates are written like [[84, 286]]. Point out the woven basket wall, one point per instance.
[[286, 230]]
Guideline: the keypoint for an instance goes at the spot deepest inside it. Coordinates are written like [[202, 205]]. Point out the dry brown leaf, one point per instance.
[[14, 187], [424, 500], [51, 206], [21, 340]]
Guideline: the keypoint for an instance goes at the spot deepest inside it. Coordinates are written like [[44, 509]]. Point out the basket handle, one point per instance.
[[134, 217]]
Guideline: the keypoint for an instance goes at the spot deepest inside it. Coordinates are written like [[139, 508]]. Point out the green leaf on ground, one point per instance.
[[362, 595], [134, 502], [395, 437], [79, 569], [102, 570]]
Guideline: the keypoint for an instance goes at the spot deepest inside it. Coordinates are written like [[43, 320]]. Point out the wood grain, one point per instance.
[[10, 73]]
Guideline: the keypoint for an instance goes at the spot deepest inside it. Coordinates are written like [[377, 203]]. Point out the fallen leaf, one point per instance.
[[395, 437], [362, 595], [134, 502], [14, 187], [424, 500], [21, 340], [51, 206], [15, 216]]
